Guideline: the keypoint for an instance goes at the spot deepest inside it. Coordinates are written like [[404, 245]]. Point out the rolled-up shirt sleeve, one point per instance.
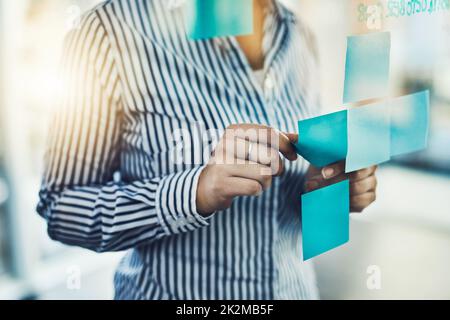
[[79, 198]]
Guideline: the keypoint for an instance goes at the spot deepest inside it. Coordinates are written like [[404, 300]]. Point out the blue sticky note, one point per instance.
[[323, 140], [409, 123], [217, 18], [325, 219], [369, 136], [367, 67]]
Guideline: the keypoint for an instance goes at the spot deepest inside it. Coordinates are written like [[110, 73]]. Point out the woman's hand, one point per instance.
[[363, 183], [243, 164]]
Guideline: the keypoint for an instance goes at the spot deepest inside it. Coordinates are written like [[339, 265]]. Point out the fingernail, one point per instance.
[[311, 185], [328, 173]]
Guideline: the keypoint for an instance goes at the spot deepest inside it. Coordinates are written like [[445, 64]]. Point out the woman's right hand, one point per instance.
[[243, 164]]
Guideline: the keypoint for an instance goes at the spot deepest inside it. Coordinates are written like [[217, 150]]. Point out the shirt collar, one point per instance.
[[281, 12]]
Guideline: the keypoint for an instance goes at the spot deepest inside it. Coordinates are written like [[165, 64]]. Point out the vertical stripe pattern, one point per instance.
[[132, 80]]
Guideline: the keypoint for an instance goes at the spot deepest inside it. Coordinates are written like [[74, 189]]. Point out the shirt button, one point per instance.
[[268, 84]]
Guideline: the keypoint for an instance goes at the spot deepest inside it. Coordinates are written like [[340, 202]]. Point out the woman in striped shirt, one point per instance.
[[169, 148]]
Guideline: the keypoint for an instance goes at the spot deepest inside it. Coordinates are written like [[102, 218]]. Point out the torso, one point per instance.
[[252, 250]]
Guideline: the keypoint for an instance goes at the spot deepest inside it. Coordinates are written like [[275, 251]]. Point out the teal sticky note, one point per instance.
[[409, 123], [325, 219], [323, 140], [218, 18], [369, 136], [367, 67]]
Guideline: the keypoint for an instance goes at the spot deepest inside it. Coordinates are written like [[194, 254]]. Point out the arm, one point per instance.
[[81, 201]]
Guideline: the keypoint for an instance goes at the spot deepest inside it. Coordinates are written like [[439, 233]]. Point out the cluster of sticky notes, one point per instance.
[[362, 137], [218, 18], [367, 135]]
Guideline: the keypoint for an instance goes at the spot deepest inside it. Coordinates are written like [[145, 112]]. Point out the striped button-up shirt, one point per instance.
[[131, 80]]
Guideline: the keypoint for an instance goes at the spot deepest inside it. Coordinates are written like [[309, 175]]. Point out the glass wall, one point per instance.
[[420, 58]]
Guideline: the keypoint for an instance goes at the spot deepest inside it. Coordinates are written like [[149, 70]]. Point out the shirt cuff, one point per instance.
[[176, 202]]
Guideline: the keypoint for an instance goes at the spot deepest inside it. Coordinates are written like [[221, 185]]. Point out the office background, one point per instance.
[[405, 234]]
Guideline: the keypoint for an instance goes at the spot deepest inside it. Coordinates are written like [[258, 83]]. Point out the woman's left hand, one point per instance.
[[363, 183]]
